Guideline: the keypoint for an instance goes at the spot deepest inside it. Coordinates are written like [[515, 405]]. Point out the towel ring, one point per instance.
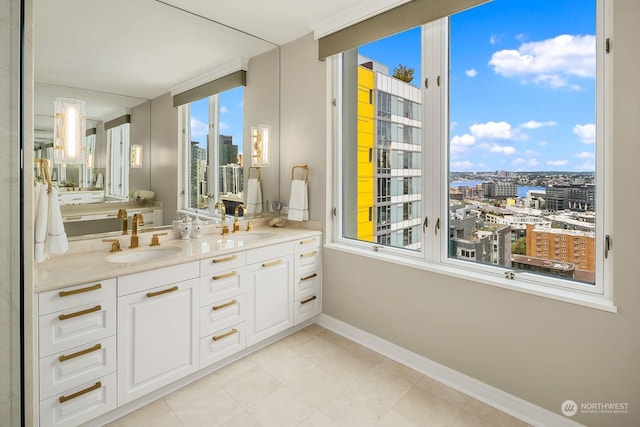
[[303, 166], [256, 168]]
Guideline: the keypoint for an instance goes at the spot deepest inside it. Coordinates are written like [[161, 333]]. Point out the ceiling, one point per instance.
[[128, 51]]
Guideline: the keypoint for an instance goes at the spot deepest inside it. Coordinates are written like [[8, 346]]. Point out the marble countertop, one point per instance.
[[86, 261]]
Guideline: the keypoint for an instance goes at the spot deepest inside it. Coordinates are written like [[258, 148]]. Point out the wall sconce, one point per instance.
[[260, 136], [136, 156], [69, 128]]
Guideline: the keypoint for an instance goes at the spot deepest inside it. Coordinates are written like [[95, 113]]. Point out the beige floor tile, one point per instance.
[[315, 385], [242, 420], [393, 369], [203, 403], [318, 419], [145, 416], [442, 391], [315, 348], [392, 419], [281, 362], [476, 413], [346, 365], [384, 386], [252, 386], [338, 340], [303, 335], [356, 407], [281, 409], [425, 408], [232, 371]]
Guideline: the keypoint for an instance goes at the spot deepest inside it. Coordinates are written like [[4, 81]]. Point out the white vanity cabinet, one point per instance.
[[270, 290], [157, 329], [307, 296], [223, 307], [77, 353]]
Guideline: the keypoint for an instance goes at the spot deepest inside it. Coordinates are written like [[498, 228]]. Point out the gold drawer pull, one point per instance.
[[308, 254], [305, 242], [302, 279], [80, 313], [226, 304], [308, 300], [226, 334], [72, 218], [272, 263], [81, 290], [229, 258], [64, 357], [162, 292], [224, 276], [96, 386]]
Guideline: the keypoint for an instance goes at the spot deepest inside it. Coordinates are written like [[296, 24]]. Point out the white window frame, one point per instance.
[[433, 256]]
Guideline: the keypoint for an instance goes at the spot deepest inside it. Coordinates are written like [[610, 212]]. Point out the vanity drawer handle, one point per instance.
[[305, 242], [226, 304], [302, 279], [96, 386], [81, 290], [80, 313], [224, 276], [229, 258], [308, 254], [162, 292], [272, 263], [64, 357], [72, 218], [308, 300], [226, 334]]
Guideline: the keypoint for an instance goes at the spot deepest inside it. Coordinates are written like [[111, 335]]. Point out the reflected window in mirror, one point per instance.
[[213, 147], [118, 146]]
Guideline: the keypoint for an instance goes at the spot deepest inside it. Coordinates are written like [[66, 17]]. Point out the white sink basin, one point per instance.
[[144, 255]]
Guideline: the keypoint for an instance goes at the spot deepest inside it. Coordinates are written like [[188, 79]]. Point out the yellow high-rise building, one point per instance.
[[366, 147]]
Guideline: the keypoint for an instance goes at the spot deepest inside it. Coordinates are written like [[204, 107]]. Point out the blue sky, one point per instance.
[[231, 115], [522, 83]]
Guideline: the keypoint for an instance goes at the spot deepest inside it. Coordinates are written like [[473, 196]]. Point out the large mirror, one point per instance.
[[126, 59]]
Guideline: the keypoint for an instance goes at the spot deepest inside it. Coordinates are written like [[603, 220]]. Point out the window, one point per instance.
[[494, 145], [213, 147], [118, 155]]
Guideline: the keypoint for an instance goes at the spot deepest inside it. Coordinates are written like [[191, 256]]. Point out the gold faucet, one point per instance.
[[138, 219], [155, 240], [223, 209], [236, 226], [122, 214], [115, 244]]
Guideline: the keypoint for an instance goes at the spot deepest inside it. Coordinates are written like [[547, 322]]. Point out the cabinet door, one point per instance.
[[157, 338], [270, 294]]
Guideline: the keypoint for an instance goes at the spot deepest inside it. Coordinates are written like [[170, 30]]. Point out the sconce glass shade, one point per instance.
[[260, 144], [69, 131], [136, 156]]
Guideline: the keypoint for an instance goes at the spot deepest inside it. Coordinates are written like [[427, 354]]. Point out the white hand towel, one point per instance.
[[40, 226], [254, 196], [299, 201], [99, 180], [57, 242]]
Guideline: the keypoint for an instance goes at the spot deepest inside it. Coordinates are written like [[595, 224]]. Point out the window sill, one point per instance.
[[598, 302]]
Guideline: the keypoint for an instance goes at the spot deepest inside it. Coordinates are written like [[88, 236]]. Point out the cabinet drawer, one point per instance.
[[308, 243], [306, 285], [73, 296], [269, 252], [221, 344], [217, 286], [307, 261], [306, 308], [79, 404], [222, 314], [159, 277], [222, 263], [76, 366], [77, 326]]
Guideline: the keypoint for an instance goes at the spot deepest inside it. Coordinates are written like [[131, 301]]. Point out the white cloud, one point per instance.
[[586, 155], [502, 149], [588, 166], [452, 125], [532, 124], [494, 39], [521, 37], [550, 62], [462, 166], [557, 162], [471, 73], [224, 127], [531, 153], [224, 110], [519, 161], [492, 130], [198, 128], [460, 144], [542, 143], [533, 162], [586, 133]]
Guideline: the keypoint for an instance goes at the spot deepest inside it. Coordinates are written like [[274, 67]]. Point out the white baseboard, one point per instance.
[[505, 402]]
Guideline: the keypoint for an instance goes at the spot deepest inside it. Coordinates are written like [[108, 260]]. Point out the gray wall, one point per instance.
[[139, 133], [538, 349]]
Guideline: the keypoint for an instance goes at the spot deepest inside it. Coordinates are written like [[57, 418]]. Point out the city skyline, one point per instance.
[[522, 84], [231, 117]]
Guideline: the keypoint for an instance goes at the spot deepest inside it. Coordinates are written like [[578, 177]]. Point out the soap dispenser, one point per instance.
[[196, 228]]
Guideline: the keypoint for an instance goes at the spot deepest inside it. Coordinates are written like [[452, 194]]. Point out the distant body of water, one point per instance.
[[522, 191]]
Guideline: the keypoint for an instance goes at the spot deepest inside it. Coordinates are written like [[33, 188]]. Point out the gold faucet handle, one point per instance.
[[225, 229], [115, 244], [249, 226], [155, 240], [236, 225]]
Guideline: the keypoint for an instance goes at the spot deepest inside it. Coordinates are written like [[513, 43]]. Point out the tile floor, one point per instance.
[[316, 378]]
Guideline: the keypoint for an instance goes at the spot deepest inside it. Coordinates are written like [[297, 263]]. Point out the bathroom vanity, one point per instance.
[[116, 329]]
